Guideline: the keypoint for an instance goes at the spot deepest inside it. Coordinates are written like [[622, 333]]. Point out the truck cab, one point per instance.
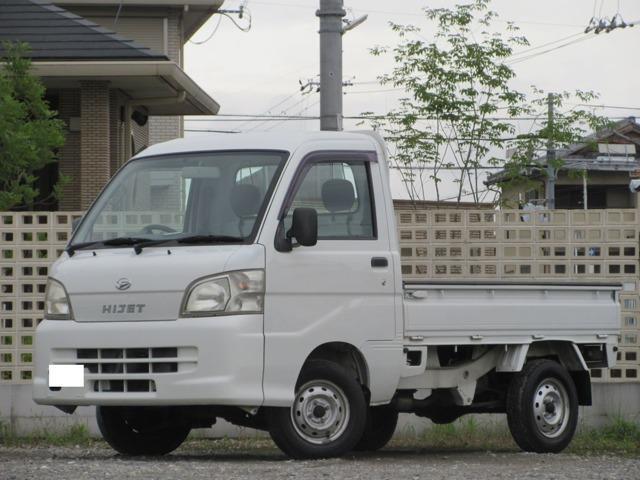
[[256, 278]]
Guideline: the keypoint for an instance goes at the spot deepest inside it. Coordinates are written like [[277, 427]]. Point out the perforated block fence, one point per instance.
[[559, 245], [555, 245], [29, 243]]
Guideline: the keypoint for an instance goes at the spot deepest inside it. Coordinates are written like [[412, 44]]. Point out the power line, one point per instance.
[[423, 137], [240, 27], [608, 106], [284, 111], [210, 36], [268, 110], [406, 14], [260, 118], [375, 91], [517, 54], [225, 13], [301, 111], [256, 119], [537, 54], [455, 197]]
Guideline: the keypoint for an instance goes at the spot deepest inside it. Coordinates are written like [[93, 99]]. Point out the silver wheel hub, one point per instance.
[[320, 413], [551, 407]]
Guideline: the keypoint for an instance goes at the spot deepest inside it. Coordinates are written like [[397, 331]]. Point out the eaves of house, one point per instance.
[[66, 49]]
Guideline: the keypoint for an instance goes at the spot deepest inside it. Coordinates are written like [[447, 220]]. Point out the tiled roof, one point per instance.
[[56, 34]]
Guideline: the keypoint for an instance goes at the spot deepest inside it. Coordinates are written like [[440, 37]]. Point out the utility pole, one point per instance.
[[550, 183], [331, 13]]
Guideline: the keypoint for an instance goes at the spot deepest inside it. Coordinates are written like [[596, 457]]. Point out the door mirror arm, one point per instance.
[[283, 241]]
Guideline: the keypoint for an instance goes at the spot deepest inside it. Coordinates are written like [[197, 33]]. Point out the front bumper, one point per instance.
[[189, 361]]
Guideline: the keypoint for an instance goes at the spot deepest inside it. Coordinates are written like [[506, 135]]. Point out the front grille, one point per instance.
[[110, 386], [129, 360], [132, 369]]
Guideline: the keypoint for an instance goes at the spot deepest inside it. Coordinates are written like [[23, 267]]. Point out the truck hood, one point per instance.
[[158, 279]]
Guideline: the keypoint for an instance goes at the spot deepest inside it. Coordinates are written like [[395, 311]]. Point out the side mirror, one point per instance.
[[75, 223], [304, 226]]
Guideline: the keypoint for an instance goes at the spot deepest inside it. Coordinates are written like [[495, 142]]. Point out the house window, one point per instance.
[[598, 196]]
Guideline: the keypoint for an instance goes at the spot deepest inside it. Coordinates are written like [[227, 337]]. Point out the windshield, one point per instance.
[[215, 196]]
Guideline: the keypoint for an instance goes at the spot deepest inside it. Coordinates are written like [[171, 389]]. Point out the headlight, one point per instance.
[[231, 292], [56, 301]]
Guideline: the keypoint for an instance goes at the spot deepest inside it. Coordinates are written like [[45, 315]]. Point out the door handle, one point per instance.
[[379, 262]]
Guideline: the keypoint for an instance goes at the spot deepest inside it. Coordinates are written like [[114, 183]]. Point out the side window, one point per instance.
[[341, 194]]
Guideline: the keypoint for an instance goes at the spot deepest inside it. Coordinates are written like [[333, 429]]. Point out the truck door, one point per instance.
[[341, 289]]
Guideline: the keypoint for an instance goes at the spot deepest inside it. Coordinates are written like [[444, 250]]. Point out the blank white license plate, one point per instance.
[[66, 375]]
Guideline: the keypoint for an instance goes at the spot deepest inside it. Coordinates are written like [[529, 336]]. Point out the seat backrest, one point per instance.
[[338, 195], [245, 200]]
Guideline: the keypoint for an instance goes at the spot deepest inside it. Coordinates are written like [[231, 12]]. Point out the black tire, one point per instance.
[[139, 430], [342, 412], [379, 429], [542, 407]]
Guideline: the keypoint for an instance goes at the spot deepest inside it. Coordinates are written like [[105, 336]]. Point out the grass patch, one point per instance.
[[620, 437], [464, 434], [71, 436]]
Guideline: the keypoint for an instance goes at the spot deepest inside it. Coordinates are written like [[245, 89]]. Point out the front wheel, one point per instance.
[[140, 430], [328, 415], [542, 407]]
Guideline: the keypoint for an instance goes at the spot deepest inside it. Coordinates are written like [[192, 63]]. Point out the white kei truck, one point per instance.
[[256, 278]]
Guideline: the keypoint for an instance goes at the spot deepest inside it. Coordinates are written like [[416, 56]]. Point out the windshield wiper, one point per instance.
[[141, 243], [71, 249], [191, 240]]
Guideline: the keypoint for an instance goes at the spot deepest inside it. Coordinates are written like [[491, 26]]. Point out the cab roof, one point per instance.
[[284, 140]]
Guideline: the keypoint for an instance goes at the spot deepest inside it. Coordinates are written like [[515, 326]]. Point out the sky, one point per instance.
[[258, 72]]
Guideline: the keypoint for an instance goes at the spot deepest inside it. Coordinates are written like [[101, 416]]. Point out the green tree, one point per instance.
[[461, 108], [29, 132]]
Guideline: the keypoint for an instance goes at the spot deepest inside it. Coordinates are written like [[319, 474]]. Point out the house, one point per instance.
[[114, 72], [595, 173]]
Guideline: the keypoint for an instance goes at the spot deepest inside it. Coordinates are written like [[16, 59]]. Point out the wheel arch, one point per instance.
[[569, 356], [344, 354]]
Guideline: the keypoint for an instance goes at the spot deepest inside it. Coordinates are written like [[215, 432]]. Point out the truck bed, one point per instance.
[[446, 312]]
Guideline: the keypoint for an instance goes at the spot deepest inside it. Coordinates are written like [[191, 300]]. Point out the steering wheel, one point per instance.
[[157, 226]]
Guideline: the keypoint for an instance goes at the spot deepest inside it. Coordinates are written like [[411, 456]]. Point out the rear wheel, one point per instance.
[[140, 430], [379, 429], [328, 415], [542, 407]]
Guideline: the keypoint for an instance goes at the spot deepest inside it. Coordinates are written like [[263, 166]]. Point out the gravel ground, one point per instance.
[[197, 461]]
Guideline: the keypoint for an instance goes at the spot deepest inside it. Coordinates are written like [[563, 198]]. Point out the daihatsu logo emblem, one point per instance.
[[123, 284]]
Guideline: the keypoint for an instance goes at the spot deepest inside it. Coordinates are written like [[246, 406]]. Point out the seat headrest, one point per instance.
[[245, 200], [338, 195]]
